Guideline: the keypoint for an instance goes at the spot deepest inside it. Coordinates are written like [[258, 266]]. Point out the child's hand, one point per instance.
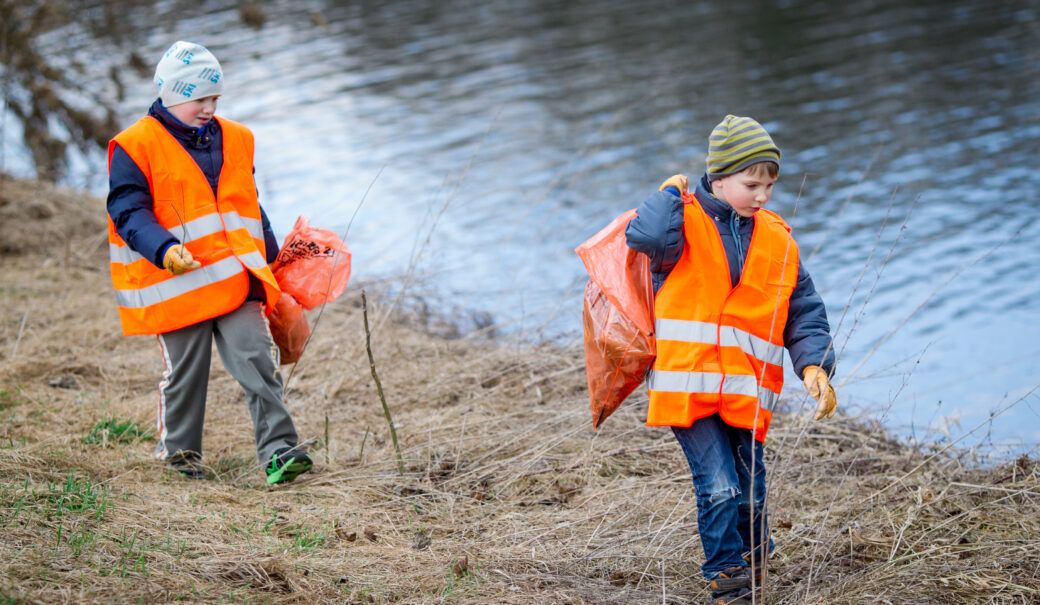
[[819, 387], [679, 181], [177, 260]]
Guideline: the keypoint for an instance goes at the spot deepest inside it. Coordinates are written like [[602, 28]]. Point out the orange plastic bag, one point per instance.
[[289, 328], [313, 265], [618, 318]]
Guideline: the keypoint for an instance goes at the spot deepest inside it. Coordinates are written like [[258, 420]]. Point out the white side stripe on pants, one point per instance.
[[160, 421]]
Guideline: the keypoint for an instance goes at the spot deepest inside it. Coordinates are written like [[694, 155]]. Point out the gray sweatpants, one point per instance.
[[249, 354]]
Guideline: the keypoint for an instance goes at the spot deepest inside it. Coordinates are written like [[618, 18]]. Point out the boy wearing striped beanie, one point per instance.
[[731, 293]]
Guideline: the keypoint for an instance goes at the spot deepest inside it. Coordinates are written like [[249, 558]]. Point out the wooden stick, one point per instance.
[[361, 451], [379, 385]]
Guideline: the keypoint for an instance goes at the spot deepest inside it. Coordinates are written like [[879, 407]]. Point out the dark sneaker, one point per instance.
[[187, 463], [287, 464], [759, 570], [731, 587]]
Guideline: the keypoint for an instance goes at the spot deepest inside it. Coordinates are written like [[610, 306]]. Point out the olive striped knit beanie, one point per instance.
[[736, 143]]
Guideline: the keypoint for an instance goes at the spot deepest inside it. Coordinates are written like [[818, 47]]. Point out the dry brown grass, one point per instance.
[[509, 497]]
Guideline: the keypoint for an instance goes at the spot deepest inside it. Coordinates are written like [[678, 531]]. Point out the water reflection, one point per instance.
[[510, 131]]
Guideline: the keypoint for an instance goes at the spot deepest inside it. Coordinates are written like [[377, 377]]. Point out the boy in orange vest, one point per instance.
[[731, 294], [189, 247]]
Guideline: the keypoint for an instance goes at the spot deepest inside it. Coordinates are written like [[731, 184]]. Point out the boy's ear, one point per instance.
[[719, 185]]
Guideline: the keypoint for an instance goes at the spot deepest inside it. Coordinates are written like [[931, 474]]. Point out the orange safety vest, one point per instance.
[[720, 349], [223, 232]]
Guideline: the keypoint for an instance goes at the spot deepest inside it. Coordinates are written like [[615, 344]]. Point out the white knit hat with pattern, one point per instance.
[[187, 71]]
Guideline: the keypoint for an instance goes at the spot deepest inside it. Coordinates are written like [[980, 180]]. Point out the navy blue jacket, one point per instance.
[[657, 231], [130, 200]]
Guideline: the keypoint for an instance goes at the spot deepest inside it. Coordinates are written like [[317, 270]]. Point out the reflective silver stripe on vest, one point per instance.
[[234, 220], [686, 331], [199, 228], [181, 284], [752, 345], [745, 384], [122, 254], [705, 333], [253, 260], [709, 382], [684, 382]]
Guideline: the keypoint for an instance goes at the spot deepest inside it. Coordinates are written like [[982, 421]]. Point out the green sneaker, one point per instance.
[[287, 464]]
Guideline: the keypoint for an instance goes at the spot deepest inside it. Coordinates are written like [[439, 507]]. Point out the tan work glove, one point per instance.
[[177, 260], [819, 387], [679, 181]]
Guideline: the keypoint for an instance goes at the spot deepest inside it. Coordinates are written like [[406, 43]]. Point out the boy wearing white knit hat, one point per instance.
[[190, 247], [189, 78]]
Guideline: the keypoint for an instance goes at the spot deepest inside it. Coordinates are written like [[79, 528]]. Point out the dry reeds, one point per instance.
[[507, 495]]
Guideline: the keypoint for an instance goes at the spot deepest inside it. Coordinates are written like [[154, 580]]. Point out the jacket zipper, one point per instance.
[[735, 232]]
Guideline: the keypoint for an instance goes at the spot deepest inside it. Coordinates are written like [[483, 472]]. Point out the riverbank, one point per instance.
[[508, 495]]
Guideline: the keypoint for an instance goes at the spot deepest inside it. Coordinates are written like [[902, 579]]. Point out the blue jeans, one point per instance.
[[720, 460]]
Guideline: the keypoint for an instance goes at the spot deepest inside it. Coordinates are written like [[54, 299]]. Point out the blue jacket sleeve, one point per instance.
[[807, 334], [130, 206], [270, 241], [657, 231]]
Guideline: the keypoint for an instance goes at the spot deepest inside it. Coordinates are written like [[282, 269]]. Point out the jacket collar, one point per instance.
[[188, 135], [713, 206]]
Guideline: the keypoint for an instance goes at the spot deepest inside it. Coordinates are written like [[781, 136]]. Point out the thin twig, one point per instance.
[[361, 450], [21, 329], [327, 439], [379, 385]]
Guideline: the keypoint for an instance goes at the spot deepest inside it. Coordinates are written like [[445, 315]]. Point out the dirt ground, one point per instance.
[[508, 496]]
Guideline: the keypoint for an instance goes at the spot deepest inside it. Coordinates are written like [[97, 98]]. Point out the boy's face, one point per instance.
[[745, 191], [197, 112]]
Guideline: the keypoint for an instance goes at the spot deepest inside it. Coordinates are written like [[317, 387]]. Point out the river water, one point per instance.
[[508, 132]]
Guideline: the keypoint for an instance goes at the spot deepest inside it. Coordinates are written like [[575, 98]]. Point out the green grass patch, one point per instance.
[[111, 430], [71, 509], [78, 496], [132, 555], [80, 539], [9, 399], [13, 500], [269, 523], [132, 552], [306, 539], [177, 548], [455, 586]]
